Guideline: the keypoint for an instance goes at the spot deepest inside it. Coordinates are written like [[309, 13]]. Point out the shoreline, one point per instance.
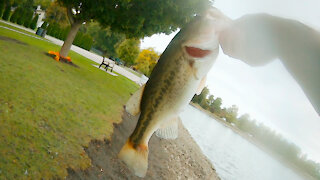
[[181, 158], [255, 142]]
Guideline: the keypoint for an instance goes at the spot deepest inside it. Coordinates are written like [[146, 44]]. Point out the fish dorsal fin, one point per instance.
[[169, 129], [133, 104], [201, 85]]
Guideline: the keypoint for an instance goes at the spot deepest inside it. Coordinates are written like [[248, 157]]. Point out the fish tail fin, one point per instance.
[[135, 158]]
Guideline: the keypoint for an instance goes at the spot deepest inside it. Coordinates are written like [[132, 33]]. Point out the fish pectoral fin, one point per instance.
[[133, 104], [169, 129], [201, 85]]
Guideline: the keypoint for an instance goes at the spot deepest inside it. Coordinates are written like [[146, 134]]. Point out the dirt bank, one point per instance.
[[168, 159]]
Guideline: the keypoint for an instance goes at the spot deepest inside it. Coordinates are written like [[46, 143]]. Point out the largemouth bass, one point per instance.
[[179, 74]]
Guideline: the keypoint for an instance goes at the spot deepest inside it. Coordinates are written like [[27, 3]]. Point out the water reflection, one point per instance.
[[233, 157]]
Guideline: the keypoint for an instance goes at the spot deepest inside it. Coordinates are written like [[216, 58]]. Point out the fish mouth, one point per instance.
[[197, 52]]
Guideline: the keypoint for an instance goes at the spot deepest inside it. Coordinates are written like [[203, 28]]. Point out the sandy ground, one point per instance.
[[168, 159]]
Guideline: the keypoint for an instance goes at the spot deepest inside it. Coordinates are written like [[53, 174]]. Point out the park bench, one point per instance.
[[107, 65]]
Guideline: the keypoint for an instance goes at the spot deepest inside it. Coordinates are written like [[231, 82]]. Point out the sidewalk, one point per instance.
[[94, 57]]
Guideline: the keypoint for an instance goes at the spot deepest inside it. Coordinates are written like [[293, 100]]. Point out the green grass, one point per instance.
[[50, 110], [18, 29]]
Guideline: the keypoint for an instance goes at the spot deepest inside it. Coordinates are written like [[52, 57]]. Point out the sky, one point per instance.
[[268, 93]]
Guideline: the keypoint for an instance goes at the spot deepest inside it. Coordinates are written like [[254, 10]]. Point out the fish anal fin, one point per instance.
[[133, 104], [201, 85], [169, 129], [136, 159]]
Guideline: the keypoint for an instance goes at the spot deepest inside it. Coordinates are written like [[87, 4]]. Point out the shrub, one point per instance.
[[21, 17], [7, 12], [34, 21], [16, 13], [49, 29], [27, 18], [65, 32], [56, 30], [44, 25], [78, 39], [83, 40], [2, 6], [86, 42]]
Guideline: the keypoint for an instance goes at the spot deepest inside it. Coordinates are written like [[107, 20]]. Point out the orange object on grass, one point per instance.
[[57, 56]]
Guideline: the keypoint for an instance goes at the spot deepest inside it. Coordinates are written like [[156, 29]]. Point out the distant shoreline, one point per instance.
[[255, 142]]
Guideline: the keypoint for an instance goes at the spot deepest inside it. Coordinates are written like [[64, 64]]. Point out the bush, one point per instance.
[[27, 18], [20, 18], [56, 30], [16, 13], [7, 12], [65, 32], [59, 33], [78, 39], [44, 25], [34, 21], [83, 40], [49, 29], [2, 6], [86, 42]]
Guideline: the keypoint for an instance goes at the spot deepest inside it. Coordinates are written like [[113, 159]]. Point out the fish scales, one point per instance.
[[179, 74], [165, 89]]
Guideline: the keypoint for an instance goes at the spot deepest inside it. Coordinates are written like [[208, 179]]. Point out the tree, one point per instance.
[[244, 122], [103, 38], [146, 61], [201, 98], [43, 3], [17, 3], [232, 113], [34, 21], [215, 106], [128, 51], [7, 12], [135, 18], [57, 14]]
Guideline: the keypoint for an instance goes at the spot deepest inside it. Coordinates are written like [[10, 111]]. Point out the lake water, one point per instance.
[[233, 156]]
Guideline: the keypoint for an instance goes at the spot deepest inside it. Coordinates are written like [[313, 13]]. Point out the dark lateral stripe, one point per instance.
[[146, 117]]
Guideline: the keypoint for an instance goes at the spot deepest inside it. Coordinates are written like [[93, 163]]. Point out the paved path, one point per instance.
[[94, 57]]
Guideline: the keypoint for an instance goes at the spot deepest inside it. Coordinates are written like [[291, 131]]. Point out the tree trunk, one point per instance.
[[69, 40]]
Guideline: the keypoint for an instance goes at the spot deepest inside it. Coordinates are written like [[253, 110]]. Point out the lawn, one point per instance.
[[50, 110], [18, 29]]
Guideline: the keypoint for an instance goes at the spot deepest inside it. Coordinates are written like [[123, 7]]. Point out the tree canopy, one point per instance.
[[146, 61], [57, 14], [104, 39], [128, 51], [135, 18], [43, 3], [259, 132]]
